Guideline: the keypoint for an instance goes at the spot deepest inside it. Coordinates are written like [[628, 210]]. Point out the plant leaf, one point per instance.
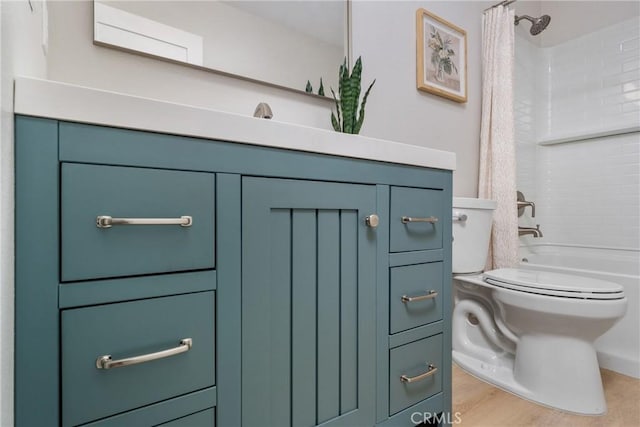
[[308, 89], [342, 77], [361, 114], [347, 118], [339, 120], [321, 89], [350, 115], [334, 123], [346, 101]]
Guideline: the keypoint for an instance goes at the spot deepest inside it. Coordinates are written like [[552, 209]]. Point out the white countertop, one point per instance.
[[44, 98]]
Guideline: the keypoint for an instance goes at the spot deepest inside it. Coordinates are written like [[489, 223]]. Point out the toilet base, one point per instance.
[[500, 373]]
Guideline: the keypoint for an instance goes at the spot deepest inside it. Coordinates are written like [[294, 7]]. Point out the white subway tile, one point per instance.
[[588, 83]]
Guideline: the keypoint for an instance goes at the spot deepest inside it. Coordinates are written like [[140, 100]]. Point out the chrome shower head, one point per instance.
[[537, 24]]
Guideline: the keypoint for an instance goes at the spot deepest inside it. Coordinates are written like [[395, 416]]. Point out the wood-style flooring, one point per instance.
[[482, 405]]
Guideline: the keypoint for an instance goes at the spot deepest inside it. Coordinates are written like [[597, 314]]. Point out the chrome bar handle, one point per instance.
[[429, 295], [105, 362], [460, 217], [407, 219], [105, 221], [432, 370]]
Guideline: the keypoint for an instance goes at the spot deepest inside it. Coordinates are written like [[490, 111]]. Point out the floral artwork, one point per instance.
[[441, 57]]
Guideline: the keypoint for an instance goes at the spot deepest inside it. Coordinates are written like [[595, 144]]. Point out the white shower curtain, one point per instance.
[[497, 179]]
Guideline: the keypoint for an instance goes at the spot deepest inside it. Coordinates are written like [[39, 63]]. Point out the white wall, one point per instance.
[[22, 54], [384, 34], [533, 8]]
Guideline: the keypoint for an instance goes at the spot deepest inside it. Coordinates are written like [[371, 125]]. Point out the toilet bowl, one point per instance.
[[528, 332]]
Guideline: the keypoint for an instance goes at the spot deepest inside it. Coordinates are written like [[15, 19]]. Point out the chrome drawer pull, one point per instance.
[[429, 295], [407, 219], [105, 362], [105, 221], [432, 370]]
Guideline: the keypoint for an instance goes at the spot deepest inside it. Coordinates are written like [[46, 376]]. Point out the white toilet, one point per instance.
[[527, 332]]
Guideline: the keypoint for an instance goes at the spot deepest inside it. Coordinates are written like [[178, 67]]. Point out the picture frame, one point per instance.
[[441, 60]]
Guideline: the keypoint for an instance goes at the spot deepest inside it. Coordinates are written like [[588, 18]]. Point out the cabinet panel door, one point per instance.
[[308, 305]]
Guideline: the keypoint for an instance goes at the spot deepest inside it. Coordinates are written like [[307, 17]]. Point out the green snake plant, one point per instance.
[[348, 118]]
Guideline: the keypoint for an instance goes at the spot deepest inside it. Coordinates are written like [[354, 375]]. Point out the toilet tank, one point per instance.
[[471, 235]]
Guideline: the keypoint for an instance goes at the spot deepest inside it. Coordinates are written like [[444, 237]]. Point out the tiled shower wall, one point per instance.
[[590, 192], [527, 99], [592, 82], [587, 191]]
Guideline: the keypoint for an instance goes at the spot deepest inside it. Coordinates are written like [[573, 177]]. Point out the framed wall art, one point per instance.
[[441, 60]]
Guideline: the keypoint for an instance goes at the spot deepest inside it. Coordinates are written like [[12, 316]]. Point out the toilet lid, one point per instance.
[[554, 284]]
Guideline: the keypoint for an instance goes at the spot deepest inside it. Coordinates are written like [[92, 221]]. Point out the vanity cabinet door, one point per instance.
[[308, 305]]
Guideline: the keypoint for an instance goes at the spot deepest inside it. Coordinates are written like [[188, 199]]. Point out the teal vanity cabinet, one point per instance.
[[178, 281], [308, 303]]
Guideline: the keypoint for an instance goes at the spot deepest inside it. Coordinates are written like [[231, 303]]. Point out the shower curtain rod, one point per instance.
[[502, 3]]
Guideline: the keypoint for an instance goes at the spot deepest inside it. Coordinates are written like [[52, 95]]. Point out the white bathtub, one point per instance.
[[619, 348]]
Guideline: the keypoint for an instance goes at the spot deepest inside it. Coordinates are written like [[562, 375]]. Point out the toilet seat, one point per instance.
[[553, 284]]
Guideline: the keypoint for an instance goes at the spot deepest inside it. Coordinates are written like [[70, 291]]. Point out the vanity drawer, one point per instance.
[[91, 252], [415, 295], [424, 209], [420, 363], [129, 329]]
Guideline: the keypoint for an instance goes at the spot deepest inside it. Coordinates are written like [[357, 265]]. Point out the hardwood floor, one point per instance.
[[481, 404]]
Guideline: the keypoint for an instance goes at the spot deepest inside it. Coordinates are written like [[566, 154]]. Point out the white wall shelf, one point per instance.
[[585, 136]]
